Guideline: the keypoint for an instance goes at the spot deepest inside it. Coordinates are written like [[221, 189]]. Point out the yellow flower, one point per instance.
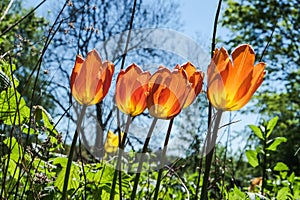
[[112, 142]]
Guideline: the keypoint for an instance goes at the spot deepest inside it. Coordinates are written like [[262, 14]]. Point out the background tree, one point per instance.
[[22, 40], [276, 24]]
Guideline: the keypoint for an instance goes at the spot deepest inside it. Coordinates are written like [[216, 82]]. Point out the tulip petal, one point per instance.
[[257, 79], [243, 62]]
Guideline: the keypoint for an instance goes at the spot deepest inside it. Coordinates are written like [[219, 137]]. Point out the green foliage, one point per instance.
[[279, 187]]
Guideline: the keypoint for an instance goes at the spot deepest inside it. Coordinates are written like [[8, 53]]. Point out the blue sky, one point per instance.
[[198, 16]]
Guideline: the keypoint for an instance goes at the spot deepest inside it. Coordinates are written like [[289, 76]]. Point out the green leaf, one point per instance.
[[280, 166], [16, 152], [291, 178], [74, 178], [275, 142], [60, 160], [257, 131], [283, 193], [237, 194], [13, 109], [252, 158], [270, 126]]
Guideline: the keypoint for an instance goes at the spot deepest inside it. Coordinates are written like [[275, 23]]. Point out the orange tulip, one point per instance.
[[168, 92], [196, 80], [91, 79], [132, 90], [231, 85]]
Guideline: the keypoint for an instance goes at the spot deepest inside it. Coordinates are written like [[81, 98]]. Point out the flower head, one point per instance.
[[167, 93], [91, 79], [231, 85], [195, 79], [132, 90], [112, 142]]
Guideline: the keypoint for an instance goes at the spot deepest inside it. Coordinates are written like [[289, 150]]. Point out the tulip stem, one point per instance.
[[210, 143], [162, 161], [72, 149], [118, 167], [137, 176]]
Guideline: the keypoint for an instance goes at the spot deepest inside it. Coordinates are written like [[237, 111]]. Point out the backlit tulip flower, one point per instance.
[[231, 85], [112, 142], [167, 93], [196, 80], [132, 90], [91, 79]]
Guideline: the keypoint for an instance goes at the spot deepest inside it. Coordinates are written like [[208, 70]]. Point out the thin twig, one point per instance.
[[6, 11], [129, 34]]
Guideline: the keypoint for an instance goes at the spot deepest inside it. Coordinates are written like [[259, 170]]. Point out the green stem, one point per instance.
[[137, 176], [118, 167], [72, 149], [162, 161], [209, 157], [264, 165]]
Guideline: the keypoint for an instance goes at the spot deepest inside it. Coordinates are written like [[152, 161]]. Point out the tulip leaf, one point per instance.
[[257, 131], [275, 142], [252, 158], [270, 126]]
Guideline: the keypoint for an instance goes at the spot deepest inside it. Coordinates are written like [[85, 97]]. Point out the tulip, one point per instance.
[[91, 79], [231, 85], [167, 93], [195, 79], [112, 142], [132, 90]]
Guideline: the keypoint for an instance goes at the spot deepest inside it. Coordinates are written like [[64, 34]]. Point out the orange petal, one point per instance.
[[243, 62], [256, 81]]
